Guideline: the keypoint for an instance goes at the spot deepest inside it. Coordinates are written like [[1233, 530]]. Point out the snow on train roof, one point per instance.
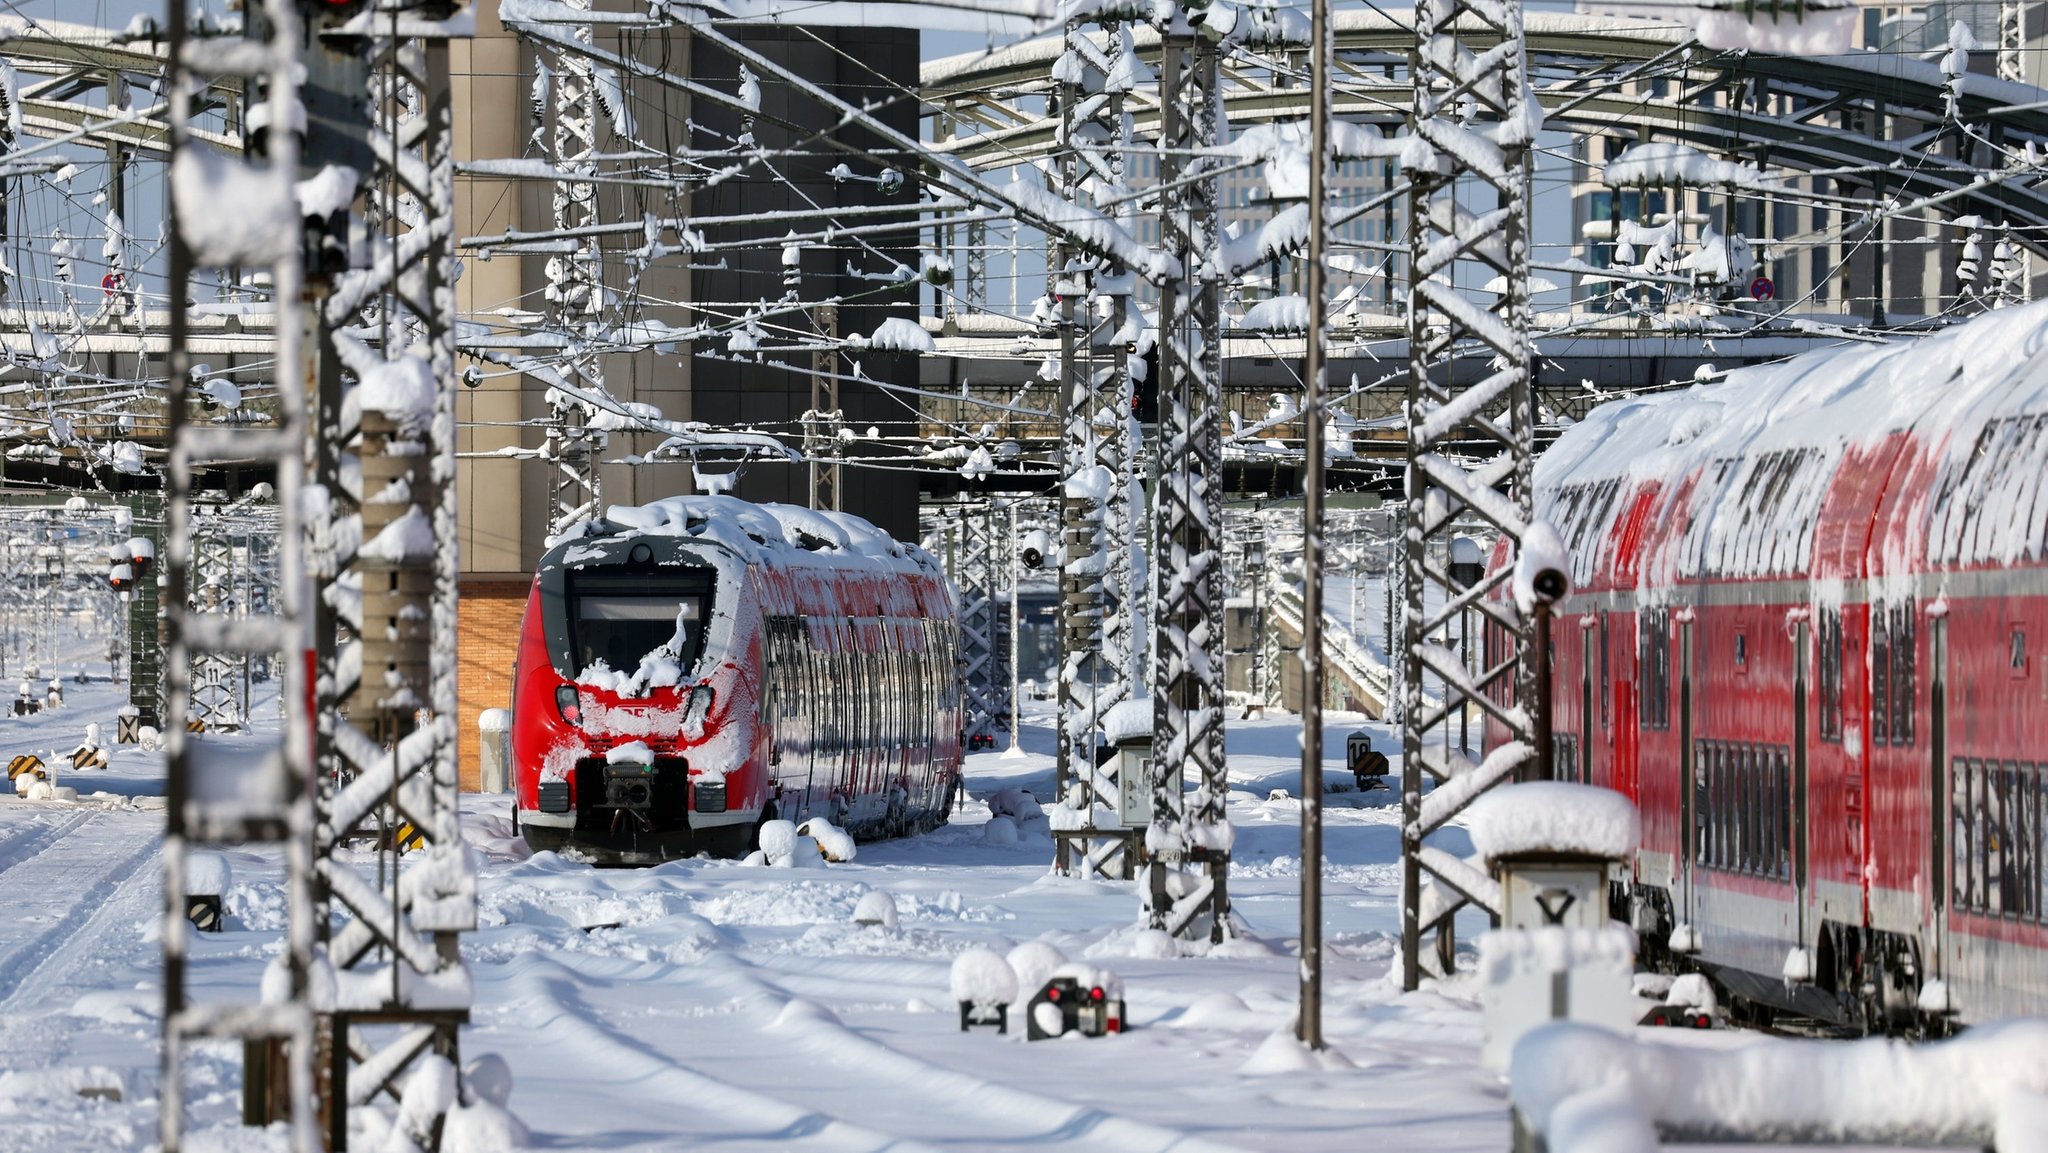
[[766, 533], [1766, 442]]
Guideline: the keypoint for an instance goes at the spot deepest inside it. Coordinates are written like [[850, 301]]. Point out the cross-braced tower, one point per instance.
[[1189, 840], [1478, 119]]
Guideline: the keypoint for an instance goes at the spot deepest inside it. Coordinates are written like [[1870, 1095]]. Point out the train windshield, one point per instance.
[[619, 618]]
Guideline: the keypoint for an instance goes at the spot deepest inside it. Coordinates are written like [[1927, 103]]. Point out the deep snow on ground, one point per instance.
[[709, 1005]]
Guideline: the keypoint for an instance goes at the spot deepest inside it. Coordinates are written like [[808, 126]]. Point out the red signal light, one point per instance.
[[1095, 994], [569, 704], [1702, 1022], [1052, 994]]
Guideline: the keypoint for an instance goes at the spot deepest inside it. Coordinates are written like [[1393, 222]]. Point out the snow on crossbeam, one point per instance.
[[1582, 1088], [1554, 817]]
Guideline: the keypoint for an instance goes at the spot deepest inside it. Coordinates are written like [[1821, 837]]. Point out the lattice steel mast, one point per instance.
[[214, 798], [575, 290], [1098, 448], [1187, 696], [1479, 119], [387, 697]]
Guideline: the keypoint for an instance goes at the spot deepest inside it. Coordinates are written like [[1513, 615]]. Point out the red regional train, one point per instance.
[[1808, 635], [692, 668]]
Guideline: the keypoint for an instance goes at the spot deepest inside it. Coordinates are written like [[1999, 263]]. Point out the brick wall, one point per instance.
[[486, 641]]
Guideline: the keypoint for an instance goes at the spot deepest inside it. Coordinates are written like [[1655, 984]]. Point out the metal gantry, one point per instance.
[[1472, 109], [1188, 843], [240, 795]]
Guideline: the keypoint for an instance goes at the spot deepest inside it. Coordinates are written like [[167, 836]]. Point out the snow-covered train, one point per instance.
[[694, 667], [1808, 634]]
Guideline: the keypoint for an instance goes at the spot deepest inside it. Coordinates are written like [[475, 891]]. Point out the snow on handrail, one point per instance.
[[1576, 1084]]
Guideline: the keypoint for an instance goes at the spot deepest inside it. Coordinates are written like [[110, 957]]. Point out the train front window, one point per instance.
[[618, 619]]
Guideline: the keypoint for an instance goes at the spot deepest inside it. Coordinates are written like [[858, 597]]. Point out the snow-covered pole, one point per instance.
[[1310, 1023], [1473, 119], [821, 423], [976, 575], [392, 754], [1081, 512], [228, 211], [1187, 696]]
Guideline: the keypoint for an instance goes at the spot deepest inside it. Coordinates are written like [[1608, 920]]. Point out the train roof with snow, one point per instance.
[[1763, 464], [767, 535]]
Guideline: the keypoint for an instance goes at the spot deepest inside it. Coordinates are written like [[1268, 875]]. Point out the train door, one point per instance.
[[1689, 782], [1588, 726], [1937, 870], [1800, 681]]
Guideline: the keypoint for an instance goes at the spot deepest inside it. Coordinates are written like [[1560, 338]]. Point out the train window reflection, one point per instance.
[[617, 622]]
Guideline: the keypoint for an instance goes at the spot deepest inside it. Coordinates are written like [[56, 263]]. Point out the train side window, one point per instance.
[[1880, 676], [2020, 823], [1741, 651], [1605, 693], [1902, 673], [1980, 851], [1828, 638], [1783, 819], [1653, 668], [1752, 810], [1738, 800], [1701, 826], [1998, 841], [1962, 853], [1722, 825], [2038, 795], [2016, 656]]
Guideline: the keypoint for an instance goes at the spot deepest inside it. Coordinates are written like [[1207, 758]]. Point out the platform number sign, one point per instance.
[[1762, 289]]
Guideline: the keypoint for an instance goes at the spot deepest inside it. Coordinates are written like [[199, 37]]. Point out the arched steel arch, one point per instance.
[[1824, 116]]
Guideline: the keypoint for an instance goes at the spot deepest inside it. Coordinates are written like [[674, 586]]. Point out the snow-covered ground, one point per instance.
[[709, 1005]]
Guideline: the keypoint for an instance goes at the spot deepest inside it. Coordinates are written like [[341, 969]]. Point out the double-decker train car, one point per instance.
[[694, 667], [1809, 636]]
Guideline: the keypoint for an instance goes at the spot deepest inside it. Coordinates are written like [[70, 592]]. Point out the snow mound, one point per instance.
[[1035, 962], [482, 1128], [488, 1078], [1016, 804], [1878, 1091], [1693, 991], [876, 908], [833, 842], [777, 840], [983, 979], [1154, 945], [1215, 1010], [1554, 817], [797, 1011], [206, 874], [1000, 831], [1128, 720], [1283, 1052], [49, 1084]]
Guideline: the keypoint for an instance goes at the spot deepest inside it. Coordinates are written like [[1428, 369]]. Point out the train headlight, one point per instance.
[[699, 705], [569, 703]]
